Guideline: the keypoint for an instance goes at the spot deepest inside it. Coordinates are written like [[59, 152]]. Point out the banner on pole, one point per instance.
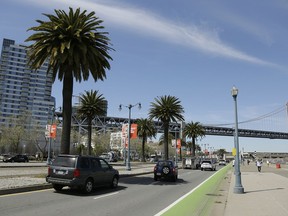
[[133, 132], [51, 131]]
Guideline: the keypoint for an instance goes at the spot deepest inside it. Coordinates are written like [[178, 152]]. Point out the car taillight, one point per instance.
[[76, 173], [49, 171]]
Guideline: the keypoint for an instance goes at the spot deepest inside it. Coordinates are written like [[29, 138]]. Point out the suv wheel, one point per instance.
[[57, 187], [166, 170], [114, 183], [88, 187]]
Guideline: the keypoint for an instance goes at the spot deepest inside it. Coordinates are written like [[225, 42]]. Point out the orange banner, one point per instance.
[[52, 131], [178, 143], [133, 132]]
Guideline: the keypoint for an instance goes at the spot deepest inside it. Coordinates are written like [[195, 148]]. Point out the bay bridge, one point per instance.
[[277, 117]]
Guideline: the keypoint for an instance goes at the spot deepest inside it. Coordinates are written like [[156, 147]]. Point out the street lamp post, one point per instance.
[[238, 188], [77, 104], [50, 138], [50, 134], [176, 153], [128, 166]]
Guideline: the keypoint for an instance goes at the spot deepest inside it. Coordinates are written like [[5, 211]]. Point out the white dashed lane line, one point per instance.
[[106, 195]]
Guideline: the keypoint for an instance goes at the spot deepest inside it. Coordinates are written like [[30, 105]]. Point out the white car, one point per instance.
[[222, 163], [208, 165]]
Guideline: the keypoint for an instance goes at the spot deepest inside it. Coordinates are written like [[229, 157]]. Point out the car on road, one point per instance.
[[16, 158], [4, 156], [222, 162], [81, 172], [110, 156], [166, 169], [208, 165], [198, 163]]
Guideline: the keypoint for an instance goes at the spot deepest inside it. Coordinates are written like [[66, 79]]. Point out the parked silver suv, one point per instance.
[[81, 172]]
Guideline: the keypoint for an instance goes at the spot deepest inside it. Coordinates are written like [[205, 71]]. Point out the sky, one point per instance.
[[193, 50]]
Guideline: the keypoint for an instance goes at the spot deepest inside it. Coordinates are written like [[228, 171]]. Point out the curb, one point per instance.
[[25, 189]]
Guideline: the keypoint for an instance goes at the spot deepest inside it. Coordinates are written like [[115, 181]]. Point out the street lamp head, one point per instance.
[[139, 106], [234, 91]]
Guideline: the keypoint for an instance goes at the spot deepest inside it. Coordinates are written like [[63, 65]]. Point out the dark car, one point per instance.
[[16, 158], [166, 169], [81, 172]]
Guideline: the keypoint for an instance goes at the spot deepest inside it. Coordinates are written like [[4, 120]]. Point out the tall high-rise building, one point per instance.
[[22, 90]]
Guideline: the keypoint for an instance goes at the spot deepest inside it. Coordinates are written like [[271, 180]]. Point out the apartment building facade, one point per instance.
[[23, 90]]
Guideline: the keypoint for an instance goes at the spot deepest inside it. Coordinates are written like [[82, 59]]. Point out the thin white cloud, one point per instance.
[[150, 24], [255, 27]]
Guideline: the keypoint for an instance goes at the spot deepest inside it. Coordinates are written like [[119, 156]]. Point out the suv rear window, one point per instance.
[[84, 162], [64, 161], [207, 162], [165, 163]]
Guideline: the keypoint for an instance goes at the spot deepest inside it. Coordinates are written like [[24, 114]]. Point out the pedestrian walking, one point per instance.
[[268, 162], [259, 165]]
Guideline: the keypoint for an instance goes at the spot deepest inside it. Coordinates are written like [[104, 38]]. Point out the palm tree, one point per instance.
[[74, 47], [91, 104], [197, 147], [170, 138], [145, 129], [194, 131], [166, 109], [221, 153]]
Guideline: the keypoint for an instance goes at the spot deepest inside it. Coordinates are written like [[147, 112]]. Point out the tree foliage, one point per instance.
[[194, 130], [145, 129], [92, 103], [166, 109], [74, 48]]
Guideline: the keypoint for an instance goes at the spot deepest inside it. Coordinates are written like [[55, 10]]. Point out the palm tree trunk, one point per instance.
[[166, 133], [143, 149], [67, 112], [193, 146], [89, 135]]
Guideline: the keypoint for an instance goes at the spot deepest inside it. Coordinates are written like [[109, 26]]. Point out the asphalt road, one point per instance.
[[139, 195]]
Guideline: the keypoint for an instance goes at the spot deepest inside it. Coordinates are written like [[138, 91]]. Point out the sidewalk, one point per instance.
[[265, 193]]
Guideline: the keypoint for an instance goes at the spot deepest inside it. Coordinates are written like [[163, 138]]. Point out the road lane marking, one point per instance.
[[106, 195]]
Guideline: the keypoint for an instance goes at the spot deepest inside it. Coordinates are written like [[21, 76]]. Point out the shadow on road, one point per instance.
[[147, 180], [96, 192]]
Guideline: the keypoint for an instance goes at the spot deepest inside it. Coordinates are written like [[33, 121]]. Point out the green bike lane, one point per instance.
[[200, 200]]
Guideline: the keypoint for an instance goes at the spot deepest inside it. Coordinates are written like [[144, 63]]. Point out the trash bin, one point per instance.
[[278, 165]]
